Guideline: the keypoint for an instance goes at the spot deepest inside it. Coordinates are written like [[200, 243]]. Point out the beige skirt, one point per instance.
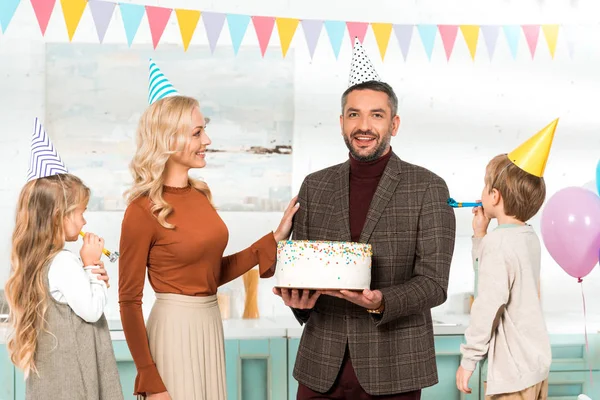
[[185, 334]]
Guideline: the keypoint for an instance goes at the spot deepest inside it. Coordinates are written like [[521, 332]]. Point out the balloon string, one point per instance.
[[587, 348]]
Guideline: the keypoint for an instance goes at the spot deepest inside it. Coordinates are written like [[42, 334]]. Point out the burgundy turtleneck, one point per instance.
[[364, 178]]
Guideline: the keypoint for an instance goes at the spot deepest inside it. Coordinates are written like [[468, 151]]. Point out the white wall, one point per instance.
[[455, 115]]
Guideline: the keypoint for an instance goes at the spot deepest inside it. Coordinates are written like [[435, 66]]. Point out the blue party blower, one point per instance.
[[453, 203]]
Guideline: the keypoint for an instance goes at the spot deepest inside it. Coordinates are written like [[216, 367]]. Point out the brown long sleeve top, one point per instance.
[[186, 260]]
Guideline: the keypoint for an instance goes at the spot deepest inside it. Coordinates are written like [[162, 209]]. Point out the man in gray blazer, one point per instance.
[[377, 344]]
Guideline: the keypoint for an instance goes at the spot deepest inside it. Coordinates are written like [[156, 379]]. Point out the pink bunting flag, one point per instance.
[[264, 28], [158, 17], [532, 33], [448, 34], [43, 11], [357, 30]]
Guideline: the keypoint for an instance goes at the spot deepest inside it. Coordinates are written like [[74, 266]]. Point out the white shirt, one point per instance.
[[70, 283]]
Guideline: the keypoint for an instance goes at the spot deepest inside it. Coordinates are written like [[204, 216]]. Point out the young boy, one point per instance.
[[507, 323]]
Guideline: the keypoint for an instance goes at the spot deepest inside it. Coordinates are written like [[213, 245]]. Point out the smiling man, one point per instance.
[[376, 344]]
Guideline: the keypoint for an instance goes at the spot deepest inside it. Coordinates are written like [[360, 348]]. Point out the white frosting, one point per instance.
[[308, 264]]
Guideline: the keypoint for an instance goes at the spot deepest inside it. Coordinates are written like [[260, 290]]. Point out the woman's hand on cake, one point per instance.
[[285, 226], [369, 299], [292, 298]]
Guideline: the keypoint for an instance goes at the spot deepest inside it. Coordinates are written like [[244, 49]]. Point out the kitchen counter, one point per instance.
[[443, 324]]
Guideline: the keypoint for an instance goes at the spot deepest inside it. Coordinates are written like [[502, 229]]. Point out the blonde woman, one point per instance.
[[171, 229], [61, 339]]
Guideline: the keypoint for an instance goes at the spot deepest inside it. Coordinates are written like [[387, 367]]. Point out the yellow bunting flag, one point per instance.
[[471, 36], [551, 34], [286, 28], [382, 35], [72, 11], [188, 20]]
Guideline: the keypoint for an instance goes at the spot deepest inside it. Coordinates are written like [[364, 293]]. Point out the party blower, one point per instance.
[[112, 256], [453, 203]]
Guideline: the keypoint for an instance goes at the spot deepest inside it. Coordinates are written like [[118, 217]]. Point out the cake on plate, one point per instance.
[[310, 264]]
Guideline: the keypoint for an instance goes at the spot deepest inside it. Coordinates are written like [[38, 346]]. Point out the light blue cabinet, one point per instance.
[[447, 350], [7, 376], [261, 369], [256, 369]]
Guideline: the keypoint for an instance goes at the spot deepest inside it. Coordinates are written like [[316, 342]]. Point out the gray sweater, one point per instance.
[[507, 323]]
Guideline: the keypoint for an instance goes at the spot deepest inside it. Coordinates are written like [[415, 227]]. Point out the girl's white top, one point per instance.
[[73, 284]]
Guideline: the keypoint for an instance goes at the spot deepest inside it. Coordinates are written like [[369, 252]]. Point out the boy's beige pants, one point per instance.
[[535, 392]]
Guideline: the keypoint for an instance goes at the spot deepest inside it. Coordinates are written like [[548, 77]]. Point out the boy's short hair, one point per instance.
[[523, 193]]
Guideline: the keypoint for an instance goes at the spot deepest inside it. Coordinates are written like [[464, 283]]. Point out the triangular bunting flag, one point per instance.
[[512, 33], [382, 34], [7, 10], [570, 33], [187, 20], [158, 17], [428, 32], [404, 36], [551, 35], [159, 86], [286, 28], [471, 35], [43, 11], [238, 24], [448, 34], [72, 11], [132, 15], [213, 23], [264, 28], [312, 31], [335, 31], [102, 12], [44, 160], [532, 33], [490, 36], [357, 30]]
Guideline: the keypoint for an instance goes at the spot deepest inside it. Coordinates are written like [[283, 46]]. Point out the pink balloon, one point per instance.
[[571, 230]]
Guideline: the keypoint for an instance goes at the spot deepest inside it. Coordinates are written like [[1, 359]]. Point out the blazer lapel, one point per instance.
[[342, 201], [385, 190]]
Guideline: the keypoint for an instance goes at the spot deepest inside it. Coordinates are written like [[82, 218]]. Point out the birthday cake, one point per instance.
[[308, 264]]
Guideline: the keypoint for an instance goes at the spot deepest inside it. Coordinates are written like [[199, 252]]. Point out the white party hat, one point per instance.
[[361, 69], [44, 159]]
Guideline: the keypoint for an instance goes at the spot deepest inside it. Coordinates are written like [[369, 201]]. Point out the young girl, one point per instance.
[[61, 339]]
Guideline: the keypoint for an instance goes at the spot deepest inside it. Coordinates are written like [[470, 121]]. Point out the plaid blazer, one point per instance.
[[412, 231]]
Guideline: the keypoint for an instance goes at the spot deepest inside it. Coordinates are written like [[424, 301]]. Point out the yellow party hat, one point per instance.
[[532, 155]]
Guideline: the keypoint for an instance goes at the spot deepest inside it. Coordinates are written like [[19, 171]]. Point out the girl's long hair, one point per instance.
[[37, 238], [164, 129]]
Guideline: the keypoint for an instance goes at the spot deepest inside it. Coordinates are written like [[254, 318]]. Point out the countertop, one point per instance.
[[444, 324]]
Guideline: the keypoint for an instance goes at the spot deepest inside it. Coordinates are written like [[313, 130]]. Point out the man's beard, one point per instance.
[[379, 150]]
